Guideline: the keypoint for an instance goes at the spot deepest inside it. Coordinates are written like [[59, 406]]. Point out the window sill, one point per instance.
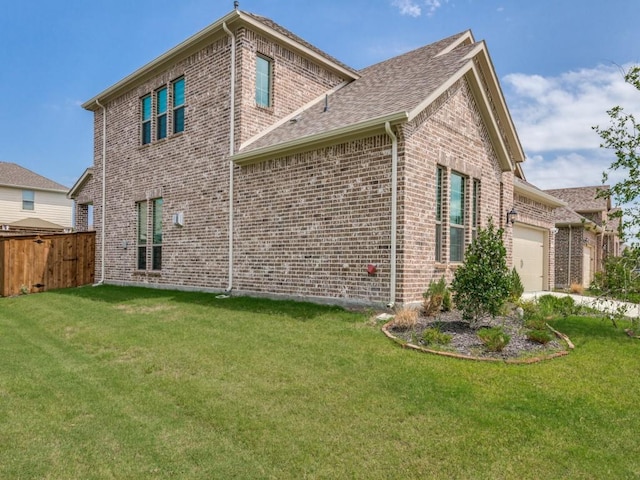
[[147, 273], [270, 110]]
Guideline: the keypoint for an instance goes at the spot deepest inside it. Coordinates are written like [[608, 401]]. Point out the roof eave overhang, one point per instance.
[[588, 224], [319, 140], [35, 189], [537, 195], [197, 41], [474, 78], [86, 176]]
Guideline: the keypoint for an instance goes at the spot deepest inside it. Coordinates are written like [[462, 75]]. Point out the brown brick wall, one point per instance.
[[450, 134]]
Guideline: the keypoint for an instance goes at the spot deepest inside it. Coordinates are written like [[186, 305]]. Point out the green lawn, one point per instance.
[[126, 383]]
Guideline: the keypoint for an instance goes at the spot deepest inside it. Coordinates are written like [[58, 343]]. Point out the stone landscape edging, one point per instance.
[[411, 346]]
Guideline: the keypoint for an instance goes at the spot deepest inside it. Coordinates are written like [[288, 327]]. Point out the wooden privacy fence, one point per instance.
[[36, 263]]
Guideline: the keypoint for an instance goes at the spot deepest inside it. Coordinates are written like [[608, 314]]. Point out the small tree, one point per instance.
[[482, 284], [623, 137]]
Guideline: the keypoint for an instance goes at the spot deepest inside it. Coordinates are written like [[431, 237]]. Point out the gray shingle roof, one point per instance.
[[14, 175], [583, 199], [280, 29], [566, 216], [396, 85]]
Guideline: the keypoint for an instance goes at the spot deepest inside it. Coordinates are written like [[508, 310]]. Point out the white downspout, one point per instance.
[[104, 192], [569, 265], [394, 207], [232, 119]]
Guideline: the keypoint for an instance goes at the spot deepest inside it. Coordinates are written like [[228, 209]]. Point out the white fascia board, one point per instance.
[[538, 195], [297, 46], [311, 141]]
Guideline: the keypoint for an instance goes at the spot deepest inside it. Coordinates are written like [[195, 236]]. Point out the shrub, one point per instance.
[[516, 288], [576, 288], [482, 283], [433, 336], [495, 338], [536, 322], [405, 319], [540, 336], [550, 305], [437, 297]]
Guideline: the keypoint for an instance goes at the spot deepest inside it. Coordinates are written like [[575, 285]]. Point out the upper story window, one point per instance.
[[161, 113], [156, 116], [28, 199], [146, 119], [263, 81], [178, 106]]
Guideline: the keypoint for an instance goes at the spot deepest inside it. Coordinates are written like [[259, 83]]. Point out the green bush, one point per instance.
[[536, 322], [481, 285], [540, 336], [495, 338], [516, 288], [550, 305], [437, 297], [433, 336]]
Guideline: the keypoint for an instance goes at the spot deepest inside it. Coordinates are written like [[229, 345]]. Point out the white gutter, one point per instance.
[[104, 192], [394, 206], [569, 265], [315, 139], [232, 119]]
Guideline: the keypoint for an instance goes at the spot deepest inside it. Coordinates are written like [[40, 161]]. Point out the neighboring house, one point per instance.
[[82, 195], [31, 203], [586, 234], [346, 186]]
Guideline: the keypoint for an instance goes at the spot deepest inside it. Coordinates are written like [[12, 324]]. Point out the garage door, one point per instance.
[[587, 260], [529, 257]]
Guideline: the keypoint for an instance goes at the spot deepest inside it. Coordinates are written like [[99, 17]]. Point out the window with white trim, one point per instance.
[[28, 200], [263, 81]]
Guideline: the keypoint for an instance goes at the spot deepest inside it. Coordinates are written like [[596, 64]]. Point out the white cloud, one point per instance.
[[408, 7], [554, 117], [557, 113], [413, 8]]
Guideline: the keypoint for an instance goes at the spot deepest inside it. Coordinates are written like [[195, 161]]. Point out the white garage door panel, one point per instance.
[[528, 257]]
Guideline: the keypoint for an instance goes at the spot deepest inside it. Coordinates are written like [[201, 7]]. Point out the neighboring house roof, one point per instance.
[[531, 191], [13, 175], [565, 217], [207, 35], [396, 91], [80, 183], [583, 199], [36, 223]]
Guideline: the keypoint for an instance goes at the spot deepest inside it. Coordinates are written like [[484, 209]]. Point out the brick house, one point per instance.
[[31, 203], [586, 234], [246, 160]]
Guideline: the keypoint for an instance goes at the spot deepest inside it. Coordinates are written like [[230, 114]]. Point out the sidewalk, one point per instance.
[[632, 309]]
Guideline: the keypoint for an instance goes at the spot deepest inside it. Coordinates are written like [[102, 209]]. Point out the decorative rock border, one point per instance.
[[404, 344]]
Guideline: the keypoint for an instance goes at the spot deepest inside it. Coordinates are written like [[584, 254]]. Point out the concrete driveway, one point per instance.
[[631, 310]]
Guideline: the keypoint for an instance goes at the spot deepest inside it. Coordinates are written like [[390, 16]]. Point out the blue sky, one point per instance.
[[559, 62]]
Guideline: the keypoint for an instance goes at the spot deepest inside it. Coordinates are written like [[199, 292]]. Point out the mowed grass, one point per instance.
[[110, 382]]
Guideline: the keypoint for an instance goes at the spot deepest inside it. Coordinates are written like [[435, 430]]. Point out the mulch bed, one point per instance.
[[466, 344]]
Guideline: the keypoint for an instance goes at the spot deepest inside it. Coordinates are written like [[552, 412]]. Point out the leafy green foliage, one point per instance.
[[433, 336], [623, 137], [482, 283], [540, 336], [437, 297], [516, 289], [494, 338], [620, 275]]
